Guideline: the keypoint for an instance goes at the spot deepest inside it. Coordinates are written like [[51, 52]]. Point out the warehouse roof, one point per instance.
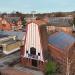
[[60, 21], [61, 40], [2, 36]]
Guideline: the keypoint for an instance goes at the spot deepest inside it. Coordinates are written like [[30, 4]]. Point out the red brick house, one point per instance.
[[61, 47], [60, 44], [10, 23], [60, 24], [5, 25]]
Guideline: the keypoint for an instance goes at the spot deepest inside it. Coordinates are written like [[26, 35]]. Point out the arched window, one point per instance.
[[33, 51]]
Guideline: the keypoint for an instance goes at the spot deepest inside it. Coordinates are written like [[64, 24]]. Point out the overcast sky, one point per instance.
[[37, 5]]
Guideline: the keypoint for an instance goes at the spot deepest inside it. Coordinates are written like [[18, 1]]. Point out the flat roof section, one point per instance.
[[10, 41], [2, 36]]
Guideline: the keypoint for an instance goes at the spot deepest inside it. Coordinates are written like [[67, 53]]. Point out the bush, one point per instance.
[[50, 68]]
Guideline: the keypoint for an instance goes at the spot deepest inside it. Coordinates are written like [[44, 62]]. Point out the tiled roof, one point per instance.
[[12, 19], [61, 40], [60, 21], [38, 22]]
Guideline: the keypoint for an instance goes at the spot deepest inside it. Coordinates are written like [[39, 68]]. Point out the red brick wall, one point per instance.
[[56, 53], [5, 25], [28, 62], [8, 26]]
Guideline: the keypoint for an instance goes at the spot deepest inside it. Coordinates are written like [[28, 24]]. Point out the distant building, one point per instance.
[[10, 23], [15, 22], [4, 25], [60, 24], [8, 44]]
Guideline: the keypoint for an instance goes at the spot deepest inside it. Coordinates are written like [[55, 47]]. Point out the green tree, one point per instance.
[[24, 22], [50, 68]]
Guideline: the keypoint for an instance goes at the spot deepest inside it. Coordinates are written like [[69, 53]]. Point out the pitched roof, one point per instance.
[[38, 22], [61, 40], [12, 19], [60, 21]]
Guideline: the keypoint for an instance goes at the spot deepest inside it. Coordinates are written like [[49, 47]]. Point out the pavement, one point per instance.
[[25, 69], [8, 59], [4, 62]]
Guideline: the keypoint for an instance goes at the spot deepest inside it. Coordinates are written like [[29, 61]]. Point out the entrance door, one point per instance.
[[34, 63]]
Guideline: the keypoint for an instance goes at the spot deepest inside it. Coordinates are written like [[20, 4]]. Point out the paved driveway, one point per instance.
[[34, 72]]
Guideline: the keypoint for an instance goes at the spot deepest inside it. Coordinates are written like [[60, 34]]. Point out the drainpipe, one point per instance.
[[68, 67]]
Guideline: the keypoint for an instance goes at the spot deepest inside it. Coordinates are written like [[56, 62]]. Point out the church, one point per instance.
[[35, 48]]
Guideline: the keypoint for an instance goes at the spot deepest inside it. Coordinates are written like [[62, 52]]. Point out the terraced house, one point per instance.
[[64, 24], [10, 23]]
